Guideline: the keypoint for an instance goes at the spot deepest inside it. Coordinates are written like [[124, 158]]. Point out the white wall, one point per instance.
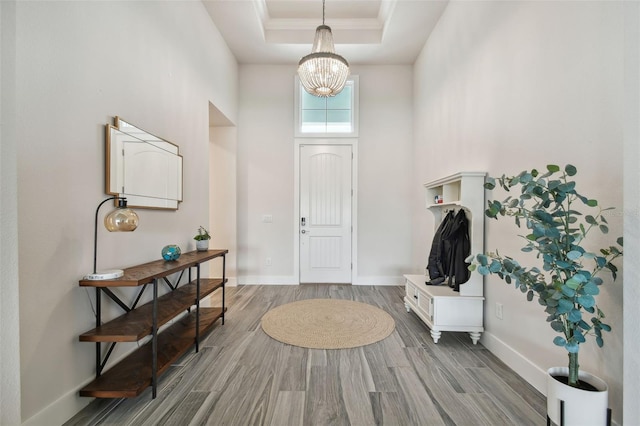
[[632, 213], [156, 64], [222, 201], [9, 301], [266, 174], [505, 86]]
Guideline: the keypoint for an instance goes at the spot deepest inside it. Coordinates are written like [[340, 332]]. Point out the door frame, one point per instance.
[[353, 142]]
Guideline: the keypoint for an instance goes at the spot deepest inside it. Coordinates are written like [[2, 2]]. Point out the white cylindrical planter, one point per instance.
[[202, 245], [581, 407]]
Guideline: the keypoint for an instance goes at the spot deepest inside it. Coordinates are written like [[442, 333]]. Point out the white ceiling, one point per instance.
[[364, 31]]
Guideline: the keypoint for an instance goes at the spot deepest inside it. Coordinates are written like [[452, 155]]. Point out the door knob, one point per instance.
[[303, 231]]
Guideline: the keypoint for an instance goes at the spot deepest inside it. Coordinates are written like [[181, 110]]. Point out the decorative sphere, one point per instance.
[[171, 252]]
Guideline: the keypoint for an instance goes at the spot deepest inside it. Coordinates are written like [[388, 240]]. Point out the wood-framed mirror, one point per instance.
[[142, 167]]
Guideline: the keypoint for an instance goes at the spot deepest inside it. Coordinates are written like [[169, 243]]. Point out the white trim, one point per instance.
[[61, 410], [519, 363], [379, 281], [268, 280], [354, 199], [355, 116]]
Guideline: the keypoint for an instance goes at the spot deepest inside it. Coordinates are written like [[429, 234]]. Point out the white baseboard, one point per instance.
[[290, 280], [61, 410], [267, 280], [232, 282], [536, 376], [382, 281]]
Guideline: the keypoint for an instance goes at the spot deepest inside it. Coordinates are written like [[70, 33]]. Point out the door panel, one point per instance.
[[325, 213]]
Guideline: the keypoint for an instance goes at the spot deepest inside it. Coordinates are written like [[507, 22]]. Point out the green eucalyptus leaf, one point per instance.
[[575, 315], [564, 306], [570, 170], [599, 341], [559, 341], [574, 254], [590, 220], [483, 270], [572, 348], [495, 266], [573, 283], [552, 168], [586, 300], [557, 326], [591, 289], [604, 229], [566, 187]]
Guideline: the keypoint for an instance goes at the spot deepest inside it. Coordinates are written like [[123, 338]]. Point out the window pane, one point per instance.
[[312, 102], [339, 121], [342, 100], [314, 121], [314, 116]]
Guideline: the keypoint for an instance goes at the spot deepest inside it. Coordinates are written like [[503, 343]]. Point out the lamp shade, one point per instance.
[[121, 219], [323, 73]]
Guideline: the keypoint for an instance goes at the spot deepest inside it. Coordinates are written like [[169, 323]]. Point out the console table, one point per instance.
[[140, 369]]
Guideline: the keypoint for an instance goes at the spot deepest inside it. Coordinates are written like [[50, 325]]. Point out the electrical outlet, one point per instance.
[[267, 261], [499, 310], [267, 218]]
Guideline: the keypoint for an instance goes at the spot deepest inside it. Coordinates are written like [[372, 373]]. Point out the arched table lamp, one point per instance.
[[121, 219]]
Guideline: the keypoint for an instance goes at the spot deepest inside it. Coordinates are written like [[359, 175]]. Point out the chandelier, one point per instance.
[[323, 73]]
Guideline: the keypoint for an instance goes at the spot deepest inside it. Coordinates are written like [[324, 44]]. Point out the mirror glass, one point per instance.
[[145, 169]]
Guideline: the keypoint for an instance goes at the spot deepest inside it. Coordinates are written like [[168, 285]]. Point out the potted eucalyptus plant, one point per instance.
[[202, 239], [566, 282]]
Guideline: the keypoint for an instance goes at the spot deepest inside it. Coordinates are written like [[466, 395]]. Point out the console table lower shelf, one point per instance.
[[132, 375]]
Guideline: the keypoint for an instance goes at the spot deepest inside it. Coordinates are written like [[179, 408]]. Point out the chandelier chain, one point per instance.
[[322, 12]]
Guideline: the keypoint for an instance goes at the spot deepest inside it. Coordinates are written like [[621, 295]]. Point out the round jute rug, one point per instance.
[[327, 324]]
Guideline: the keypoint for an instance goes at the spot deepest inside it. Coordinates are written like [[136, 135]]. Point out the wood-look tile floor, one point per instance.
[[241, 376]]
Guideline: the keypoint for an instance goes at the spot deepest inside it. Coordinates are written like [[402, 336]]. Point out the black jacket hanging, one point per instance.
[[435, 265], [450, 247], [457, 248]]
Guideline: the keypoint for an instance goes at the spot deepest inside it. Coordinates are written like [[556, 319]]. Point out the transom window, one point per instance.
[[332, 116]]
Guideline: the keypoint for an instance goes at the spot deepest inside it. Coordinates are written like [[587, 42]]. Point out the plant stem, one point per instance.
[[573, 369]]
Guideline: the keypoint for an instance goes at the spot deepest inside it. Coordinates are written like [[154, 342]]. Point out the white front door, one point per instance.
[[325, 213]]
